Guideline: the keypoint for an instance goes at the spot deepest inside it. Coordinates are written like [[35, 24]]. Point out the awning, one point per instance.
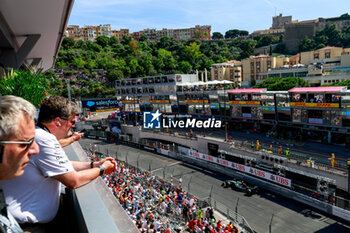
[[31, 32], [333, 89], [249, 91]]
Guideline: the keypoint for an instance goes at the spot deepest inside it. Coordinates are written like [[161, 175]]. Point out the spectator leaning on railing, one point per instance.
[[17, 131], [34, 197]]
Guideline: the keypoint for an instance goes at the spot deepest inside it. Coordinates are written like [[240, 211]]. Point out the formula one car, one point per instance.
[[228, 183], [241, 186]]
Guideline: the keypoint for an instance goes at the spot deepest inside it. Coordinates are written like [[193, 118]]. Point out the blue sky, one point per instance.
[[222, 15]]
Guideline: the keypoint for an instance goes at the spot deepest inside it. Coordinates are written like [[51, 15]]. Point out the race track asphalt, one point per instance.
[[289, 216]]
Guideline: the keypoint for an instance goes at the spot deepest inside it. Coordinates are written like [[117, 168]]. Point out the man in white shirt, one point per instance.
[[17, 131], [34, 197]]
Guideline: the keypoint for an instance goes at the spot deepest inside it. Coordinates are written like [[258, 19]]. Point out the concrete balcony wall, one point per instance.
[[97, 208]]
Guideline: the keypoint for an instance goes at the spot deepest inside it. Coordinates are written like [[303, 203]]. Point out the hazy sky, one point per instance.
[[222, 15]]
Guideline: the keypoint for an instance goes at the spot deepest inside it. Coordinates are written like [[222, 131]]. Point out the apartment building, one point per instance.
[[88, 32], [91, 32], [120, 34], [230, 70], [323, 66], [255, 65], [75, 32], [323, 53], [197, 32]]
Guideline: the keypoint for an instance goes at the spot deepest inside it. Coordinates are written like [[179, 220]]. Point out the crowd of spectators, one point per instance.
[[157, 206], [80, 79]]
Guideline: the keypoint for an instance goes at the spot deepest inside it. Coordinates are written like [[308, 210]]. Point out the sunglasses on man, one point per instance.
[[71, 121], [28, 143]]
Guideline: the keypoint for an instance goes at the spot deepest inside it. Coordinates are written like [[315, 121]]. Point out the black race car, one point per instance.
[[228, 183], [241, 186]]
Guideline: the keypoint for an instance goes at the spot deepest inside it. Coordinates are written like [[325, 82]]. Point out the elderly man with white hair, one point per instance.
[[17, 131], [36, 202]]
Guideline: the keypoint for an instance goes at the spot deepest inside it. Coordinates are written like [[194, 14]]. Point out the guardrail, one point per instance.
[[231, 214]]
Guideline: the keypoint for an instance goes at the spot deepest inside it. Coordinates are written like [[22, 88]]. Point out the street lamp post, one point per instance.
[[135, 115], [225, 113]]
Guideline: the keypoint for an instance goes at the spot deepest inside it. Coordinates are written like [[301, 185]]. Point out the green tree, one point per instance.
[[103, 41], [331, 33], [113, 41], [78, 63], [193, 54], [113, 75], [68, 43], [93, 46], [282, 84], [217, 36], [26, 84], [185, 67], [143, 38], [85, 92], [80, 44], [234, 33], [91, 64], [345, 36], [135, 68], [307, 44], [267, 40], [134, 47]]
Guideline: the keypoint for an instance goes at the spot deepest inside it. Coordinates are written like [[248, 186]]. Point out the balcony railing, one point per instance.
[[93, 206]]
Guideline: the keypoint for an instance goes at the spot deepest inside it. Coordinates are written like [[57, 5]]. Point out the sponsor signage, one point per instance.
[[315, 105], [245, 102], [346, 113], [129, 101], [149, 148], [162, 151], [284, 109], [159, 101], [94, 103], [315, 121], [106, 110], [268, 109], [242, 168], [196, 101], [248, 115]]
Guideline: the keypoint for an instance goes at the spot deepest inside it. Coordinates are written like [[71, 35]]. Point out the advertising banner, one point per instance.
[[315, 105], [247, 115], [129, 101], [159, 101], [94, 103], [196, 101], [315, 121], [245, 102], [242, 168]]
